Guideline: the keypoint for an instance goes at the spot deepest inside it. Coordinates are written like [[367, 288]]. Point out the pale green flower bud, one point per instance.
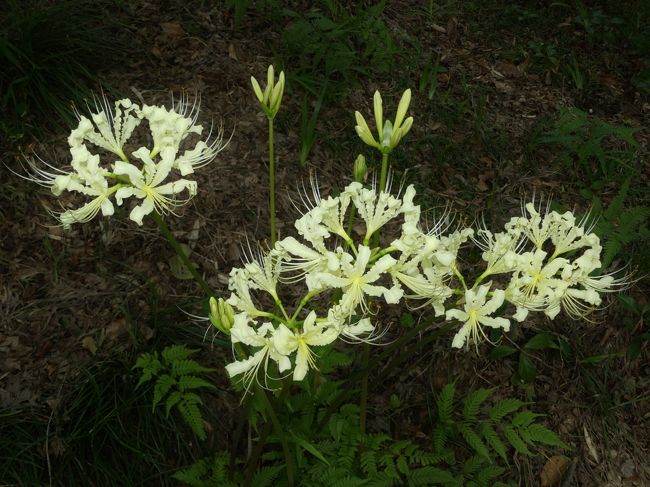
[[377, 102], [390, 132], [360, 168], [222, 316], [271, 97]]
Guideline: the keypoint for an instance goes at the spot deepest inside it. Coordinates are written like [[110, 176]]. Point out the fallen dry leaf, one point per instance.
[[232, 54], [89, 344], [553, 470], [172, 29]]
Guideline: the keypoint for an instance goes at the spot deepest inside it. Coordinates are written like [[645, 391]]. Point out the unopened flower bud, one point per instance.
[[360, 168], [222, 316], [271, 97]]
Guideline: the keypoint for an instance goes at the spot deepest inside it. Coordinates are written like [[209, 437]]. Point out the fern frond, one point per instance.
[[492, 439], [445, 402], [150, 366], [541, 434], [487, 474], [504, 407], [474, 440], [440, 435], [515, 440], [265, 476], [473, 402], [524, 418], [431, 476], [472, 465], [163, 385], [187, 367], [369, 462], [173, 399], [189, 409], [188, 382], [174, 353]]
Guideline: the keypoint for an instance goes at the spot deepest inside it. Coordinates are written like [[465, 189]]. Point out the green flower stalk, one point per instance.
[[270, 100]]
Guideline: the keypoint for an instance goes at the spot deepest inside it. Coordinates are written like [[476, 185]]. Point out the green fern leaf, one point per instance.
[[193, 476], [445, 403], [369, 462], [541, 434], [174, 353], [389, 466], [188, 382], [173, 399], [189, 409], [431, 476], [398, 446], [515, 440], [402, 465], [472, 465], [440, 435], [187, 367], [489, 473], [492, 439], [524, 418], [163, 385], [265, 476], [150, 366], [474, 440], [473, 402], [504, 407]]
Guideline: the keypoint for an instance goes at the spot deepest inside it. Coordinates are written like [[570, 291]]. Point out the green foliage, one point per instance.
[[471, 445], [175, 379], [593, 149], [526, 372], [622, 227], [48, 51], [640, 316]]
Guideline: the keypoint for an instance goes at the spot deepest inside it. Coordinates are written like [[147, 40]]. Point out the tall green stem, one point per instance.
[[384, 172], [280, 432], [272, 185], [181, 254], [363, 402]]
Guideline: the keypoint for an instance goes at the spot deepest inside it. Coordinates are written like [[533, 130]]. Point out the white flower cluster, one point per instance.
[[146, 176], [418, 265]]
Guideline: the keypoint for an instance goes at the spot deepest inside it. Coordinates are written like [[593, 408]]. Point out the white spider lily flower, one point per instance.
[[263, 272], [356, 281], [538, 277], [146, 184], [500, 250], [537, 227], [115, 127], [261, 338], [313, 334], [271, 97], [476, 314], [375, 209], [201, 155], [302, 262], [431, 287], [389, 133], [87, 212], [240, 297], [338, 317], [169, 128]]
